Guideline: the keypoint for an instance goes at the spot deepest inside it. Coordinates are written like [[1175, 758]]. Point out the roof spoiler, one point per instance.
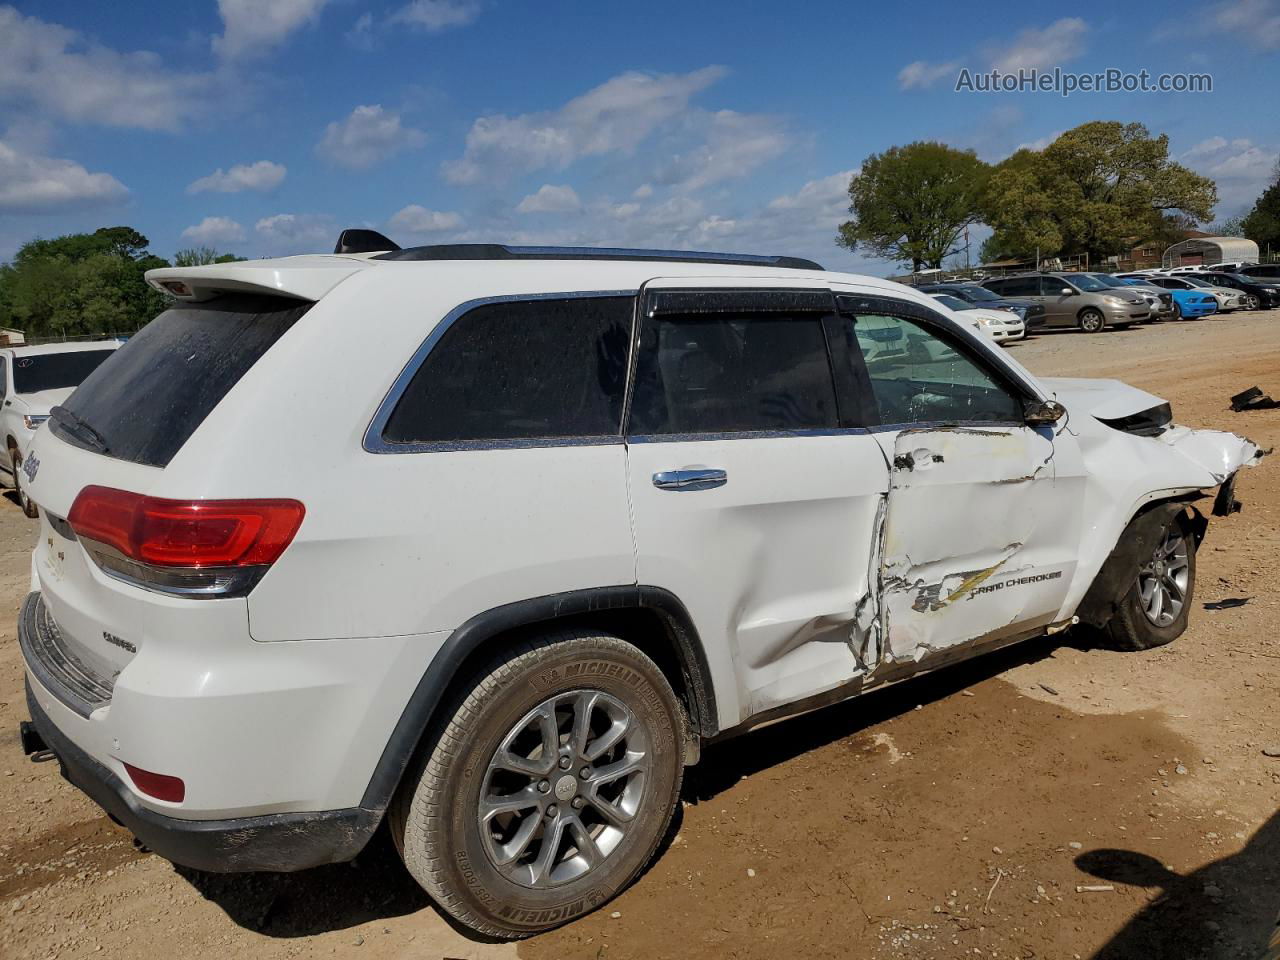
[[358, 240]]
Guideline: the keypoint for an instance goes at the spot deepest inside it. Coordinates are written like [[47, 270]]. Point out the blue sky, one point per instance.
[[264, 126]]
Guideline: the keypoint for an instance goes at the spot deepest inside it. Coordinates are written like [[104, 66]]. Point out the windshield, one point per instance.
[[977, 294], [1109, 281], [1083, 281], [955, 303], [55, 371], [1194, 282]]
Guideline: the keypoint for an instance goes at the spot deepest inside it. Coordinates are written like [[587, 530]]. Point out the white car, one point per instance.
[[33, 379], [1228, 298], [999, 325], [497, 568]]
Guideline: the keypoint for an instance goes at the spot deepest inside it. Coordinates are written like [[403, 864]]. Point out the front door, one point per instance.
[[974, 546], [755, 497]]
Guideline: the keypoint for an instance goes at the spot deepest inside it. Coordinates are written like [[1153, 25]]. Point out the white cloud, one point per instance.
[[366, 137], [1240, 158], [212, 231], [1040, 49], [286, 233], [30, 183], [643, 192], [614, 117], [436, 15], [263, 175], [1241, 168], [823, 198], [1257, 22], [550, 199], [253, 27], [56, 70], [418, 219], [920, 74], [360, 35], [731, 145]]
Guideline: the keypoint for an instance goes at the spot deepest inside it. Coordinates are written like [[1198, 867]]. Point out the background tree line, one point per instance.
[[86, 284], [1099, 189]]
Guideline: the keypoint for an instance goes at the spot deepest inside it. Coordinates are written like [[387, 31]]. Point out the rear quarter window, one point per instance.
[[147, 400]]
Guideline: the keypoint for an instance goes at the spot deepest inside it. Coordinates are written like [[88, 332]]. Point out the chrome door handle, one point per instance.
[[684, 480]]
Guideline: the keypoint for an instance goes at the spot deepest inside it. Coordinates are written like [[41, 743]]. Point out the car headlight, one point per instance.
[[1019, 312], [987, 321], [1118, 301], [33, 420]]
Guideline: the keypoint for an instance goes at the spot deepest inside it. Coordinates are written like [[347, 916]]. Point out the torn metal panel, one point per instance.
[[948, 577]]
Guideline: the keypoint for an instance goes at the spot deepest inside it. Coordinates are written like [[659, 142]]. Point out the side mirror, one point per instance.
[[1066, 292], [1039, 413]]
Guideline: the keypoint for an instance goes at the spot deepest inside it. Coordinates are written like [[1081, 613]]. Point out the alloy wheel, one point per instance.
[[562, 788], [1162, 581]]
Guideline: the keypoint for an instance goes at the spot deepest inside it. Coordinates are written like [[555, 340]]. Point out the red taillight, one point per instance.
[[186, 533], [158, 785]]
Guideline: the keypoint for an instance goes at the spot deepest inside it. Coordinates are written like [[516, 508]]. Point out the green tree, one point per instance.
[[912, 203], [1095, 189], [81, 284], [200, 256]]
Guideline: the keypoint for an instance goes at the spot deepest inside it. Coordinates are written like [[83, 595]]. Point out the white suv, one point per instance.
[[34, 379], [488, 541]]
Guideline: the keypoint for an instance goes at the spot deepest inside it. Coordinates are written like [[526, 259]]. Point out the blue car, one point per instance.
[[1187, 304]]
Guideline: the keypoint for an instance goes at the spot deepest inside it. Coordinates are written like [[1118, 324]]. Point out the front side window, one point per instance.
[[916, 376], [520, 370], [732, 372]]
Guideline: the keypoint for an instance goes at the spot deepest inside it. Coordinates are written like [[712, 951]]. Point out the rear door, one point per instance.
[[979, 542], [755, 492]]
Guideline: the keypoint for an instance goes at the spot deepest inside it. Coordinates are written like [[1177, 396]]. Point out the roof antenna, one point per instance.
[[354, 240]]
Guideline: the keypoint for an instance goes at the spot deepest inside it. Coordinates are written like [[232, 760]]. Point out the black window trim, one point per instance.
[[374, 442], [761, 300], [953, 335]]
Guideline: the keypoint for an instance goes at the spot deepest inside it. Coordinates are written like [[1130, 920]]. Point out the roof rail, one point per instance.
[[502, 251]]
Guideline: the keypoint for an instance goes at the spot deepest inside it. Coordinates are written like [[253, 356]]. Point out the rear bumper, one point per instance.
[[278, 842]]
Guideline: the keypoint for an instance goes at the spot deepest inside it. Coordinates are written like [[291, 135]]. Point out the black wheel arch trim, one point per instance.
[[1136, 541], [421, 711]]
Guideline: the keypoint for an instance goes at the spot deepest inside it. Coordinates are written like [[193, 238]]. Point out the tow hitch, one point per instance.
[[32, 742]]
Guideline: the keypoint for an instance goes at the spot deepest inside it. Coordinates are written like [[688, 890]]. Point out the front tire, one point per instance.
[[28, 505], [1251, 302], [1091, 321], [549, 788], [1154, 611]]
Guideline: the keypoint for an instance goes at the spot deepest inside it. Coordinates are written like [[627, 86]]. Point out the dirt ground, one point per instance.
[[960, 815]]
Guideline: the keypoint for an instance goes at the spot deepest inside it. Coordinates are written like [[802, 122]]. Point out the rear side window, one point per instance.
[[55, 371], [145, 403], [521, 370], [729, 373], [1017, 287]]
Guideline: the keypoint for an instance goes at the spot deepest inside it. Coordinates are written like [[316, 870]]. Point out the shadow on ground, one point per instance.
[[1227, 908]]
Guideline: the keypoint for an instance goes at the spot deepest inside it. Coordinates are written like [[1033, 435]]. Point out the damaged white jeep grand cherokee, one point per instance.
[[486, 541]]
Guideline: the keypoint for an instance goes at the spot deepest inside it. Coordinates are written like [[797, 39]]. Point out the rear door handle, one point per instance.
[[687, 480]]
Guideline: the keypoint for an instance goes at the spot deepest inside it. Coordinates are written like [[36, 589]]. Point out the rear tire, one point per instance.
[[1091, 321], [514, 871], [1154, 610]]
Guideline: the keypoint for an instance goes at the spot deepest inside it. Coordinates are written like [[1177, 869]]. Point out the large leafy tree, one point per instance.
[[200, 256], [912, 203], [80, 284], [1262, 224], [1095, 189]]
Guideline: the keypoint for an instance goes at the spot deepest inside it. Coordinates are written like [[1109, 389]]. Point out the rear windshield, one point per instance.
[[159, 387], [55, 371]]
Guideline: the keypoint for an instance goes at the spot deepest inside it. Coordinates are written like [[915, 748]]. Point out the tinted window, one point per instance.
[[158, 388], [975, 294], [918, 377], [521, 370], [726, 372], [1017, 287], [55, 371]]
